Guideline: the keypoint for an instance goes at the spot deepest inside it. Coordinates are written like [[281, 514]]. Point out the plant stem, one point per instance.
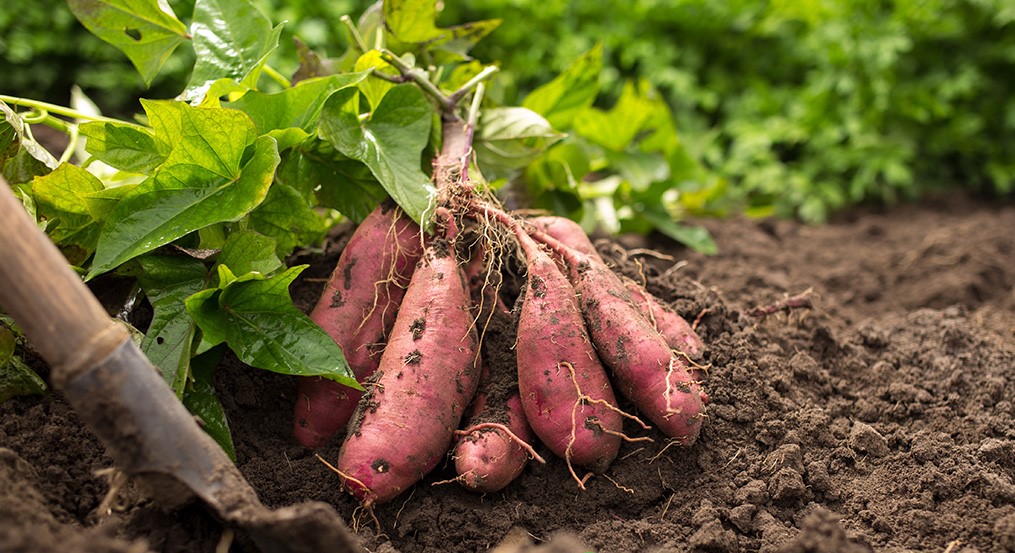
[[55, 109], [420, 78], [483, 75], [477, 99], [355, 38], [72, 144], [449, 167], [279, 78]]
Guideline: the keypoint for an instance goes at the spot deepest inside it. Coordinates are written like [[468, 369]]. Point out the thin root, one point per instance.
[[368, 509], [458, 478], [952, 546], [621, 435], [225, 541], [663, 450], [391, 238], [618, 484], [799, 301], [662, 515], [603, 402], [670, 411], [691, 362], [514, 437], [652, 253], [345, 477], [117, 481], [633, 453], [697, 320]]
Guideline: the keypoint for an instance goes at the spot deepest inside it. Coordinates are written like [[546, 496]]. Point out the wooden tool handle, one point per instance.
[[54, 308]]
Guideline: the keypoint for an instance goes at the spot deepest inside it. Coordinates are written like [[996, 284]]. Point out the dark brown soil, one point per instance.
[[879, 418]]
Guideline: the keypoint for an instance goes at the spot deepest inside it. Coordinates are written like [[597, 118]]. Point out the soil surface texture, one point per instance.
[[862, 386]]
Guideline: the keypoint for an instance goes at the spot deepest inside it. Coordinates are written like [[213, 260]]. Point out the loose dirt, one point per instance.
[[875, 415]]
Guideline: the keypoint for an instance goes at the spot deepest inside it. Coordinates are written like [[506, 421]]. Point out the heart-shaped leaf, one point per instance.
[[390, 141], [146, 31]]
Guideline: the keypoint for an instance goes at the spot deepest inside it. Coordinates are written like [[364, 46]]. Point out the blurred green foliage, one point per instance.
[[44, 50], [795, 107], [803, 106]]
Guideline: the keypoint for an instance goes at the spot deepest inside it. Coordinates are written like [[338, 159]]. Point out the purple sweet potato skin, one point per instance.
[[643, 366], [567, 231], [673, 327], [357, 308], [552, 334], [677, 331], [487, 460], [427, 377]]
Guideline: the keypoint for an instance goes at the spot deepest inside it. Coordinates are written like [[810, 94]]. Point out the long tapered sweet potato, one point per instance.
[[357, 309], [565, 392], [672, 326], [426, 379], [641, 361]]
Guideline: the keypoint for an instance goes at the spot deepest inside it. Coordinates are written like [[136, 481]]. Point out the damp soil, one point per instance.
[[862, 382]]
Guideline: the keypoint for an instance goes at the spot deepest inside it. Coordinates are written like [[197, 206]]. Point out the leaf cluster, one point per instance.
[[200, 199]]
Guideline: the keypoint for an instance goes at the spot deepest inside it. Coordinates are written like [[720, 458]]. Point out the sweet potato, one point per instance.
[[565, 392], [672, 326], [489, 456], [566, 231], [643, 365], [427, 377], [357, 309]]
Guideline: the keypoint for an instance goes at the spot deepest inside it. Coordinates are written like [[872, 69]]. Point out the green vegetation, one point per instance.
[[800, 107]]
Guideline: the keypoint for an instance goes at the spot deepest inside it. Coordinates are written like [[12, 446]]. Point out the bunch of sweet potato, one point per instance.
[[410, 309]]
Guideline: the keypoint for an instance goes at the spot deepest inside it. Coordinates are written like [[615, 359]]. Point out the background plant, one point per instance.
[[800, 107]]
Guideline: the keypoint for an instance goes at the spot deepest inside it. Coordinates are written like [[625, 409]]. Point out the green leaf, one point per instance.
[[338, 182], [247, 251], [21, 158], [511, 138], [289, 219], [168, 281], [640, 169], [390, 142], [571, 92], [10, 138], [60, 198], [232, 39], [297, 107], [182, 198], [255, 316], [564, 165], [414, 21], [102, 202], [375, 88], [213, 139], [200, 399], [16, 378], [617, 128], [696, 238], [146, 31], [124, 146]]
